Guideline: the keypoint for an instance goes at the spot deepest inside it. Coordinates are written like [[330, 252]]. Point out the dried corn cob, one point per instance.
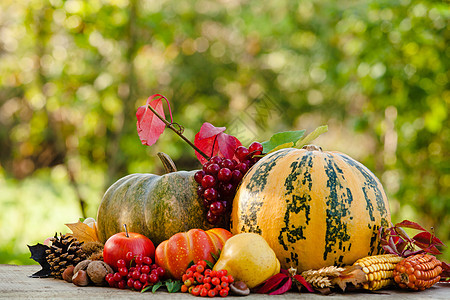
[[418, 272], [379, 270]]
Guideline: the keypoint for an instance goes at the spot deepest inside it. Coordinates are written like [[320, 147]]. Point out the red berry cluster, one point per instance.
[[135, 272], [220, 177], [203, 282]]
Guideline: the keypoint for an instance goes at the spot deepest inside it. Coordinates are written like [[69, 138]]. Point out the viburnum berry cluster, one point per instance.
[[220, 177], [135, 272], [204, 282]]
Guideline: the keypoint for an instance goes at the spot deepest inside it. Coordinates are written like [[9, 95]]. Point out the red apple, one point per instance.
[[118, 245]]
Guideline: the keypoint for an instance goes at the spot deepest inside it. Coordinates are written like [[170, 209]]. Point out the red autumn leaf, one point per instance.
[[271, 283], [401, 232], [284, 288], [149, 126], [437, 241], [423, 239], [432, 250], [445, 275], [304, 283], [209, 136], [409, 224]]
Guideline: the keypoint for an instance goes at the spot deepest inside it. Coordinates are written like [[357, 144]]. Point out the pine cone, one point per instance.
[[322, 278], [63, 252]]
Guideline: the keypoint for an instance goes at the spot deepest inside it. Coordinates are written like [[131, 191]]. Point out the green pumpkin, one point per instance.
[[155, 206]]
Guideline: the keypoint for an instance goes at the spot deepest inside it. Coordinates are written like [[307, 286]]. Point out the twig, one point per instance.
[[170, 125]]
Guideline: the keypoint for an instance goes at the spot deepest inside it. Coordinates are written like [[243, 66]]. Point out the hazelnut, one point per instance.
[[239, 288], [68, 273], [82, 265], [97, 271], [80, 278]]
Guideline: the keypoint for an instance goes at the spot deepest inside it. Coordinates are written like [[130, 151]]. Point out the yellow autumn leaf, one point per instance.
[[83, 232], [285, 145]]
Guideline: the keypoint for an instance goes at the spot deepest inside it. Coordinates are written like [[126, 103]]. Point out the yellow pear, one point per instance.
[[248, 257]]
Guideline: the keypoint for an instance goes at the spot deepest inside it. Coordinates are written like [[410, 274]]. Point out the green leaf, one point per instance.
[[173, 286], [209, 264], [190, 264], [169, 285], [312, 136], [281, 138], [147, 288], [215, 256], [156, 286]]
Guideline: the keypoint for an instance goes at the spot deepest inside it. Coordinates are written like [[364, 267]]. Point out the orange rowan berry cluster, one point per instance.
[[201, 281]]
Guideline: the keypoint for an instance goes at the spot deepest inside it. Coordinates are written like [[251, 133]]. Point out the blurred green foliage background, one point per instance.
[[72, 74]]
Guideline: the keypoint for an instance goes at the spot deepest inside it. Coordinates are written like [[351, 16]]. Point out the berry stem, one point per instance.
[[170, 125], [214, 144]]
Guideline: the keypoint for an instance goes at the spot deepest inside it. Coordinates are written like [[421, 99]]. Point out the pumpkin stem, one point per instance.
[[126, 230], [167, 162], [312, 148]]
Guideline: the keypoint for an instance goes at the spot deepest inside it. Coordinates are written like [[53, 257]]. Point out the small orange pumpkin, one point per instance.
[[175, 254]]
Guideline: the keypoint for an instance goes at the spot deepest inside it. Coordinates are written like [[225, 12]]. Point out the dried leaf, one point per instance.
[[352, 274], [83, 232], [38, 254]]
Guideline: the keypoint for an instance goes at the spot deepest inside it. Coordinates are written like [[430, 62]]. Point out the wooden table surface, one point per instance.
[[15, 284]]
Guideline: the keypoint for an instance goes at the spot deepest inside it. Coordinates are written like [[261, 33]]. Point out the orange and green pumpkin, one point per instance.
[[155, 206], [175, 254], [314, 208]]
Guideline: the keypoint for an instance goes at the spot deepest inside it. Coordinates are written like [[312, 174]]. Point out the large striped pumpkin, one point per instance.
[[314, 208]]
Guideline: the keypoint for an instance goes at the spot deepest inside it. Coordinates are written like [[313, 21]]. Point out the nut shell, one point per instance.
[[68, 273], [82, 265], [239, 288], [80, 278], [97, 271]]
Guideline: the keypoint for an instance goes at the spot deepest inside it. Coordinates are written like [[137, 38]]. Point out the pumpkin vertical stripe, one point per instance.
[[314, 208], [372, 183], [336, 230]]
